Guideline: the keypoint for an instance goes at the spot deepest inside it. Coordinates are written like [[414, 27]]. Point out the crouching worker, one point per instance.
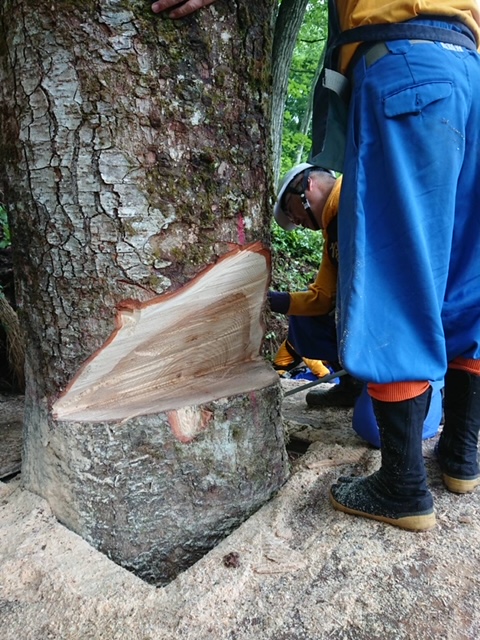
[[308, 197]]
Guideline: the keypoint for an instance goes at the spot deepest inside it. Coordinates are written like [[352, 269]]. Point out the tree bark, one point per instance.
[[287, 26], [134, 152], [306, 120]]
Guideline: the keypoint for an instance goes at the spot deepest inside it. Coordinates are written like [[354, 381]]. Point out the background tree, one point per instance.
[[305, 68], [12, 344], [296, 255], [134, 151], [287, 26]]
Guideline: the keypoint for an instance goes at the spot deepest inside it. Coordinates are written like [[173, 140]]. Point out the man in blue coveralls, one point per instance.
[[409, 244]]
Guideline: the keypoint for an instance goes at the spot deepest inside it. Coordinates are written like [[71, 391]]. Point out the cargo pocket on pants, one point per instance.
[[414, 99]]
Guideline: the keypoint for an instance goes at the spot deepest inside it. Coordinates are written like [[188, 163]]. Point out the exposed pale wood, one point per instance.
[[188, 422], [198, 344]]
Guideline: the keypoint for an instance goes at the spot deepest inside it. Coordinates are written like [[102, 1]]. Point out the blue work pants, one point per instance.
[[409, 218]]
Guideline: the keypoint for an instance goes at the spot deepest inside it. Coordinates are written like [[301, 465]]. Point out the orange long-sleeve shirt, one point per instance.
[[319, 299]]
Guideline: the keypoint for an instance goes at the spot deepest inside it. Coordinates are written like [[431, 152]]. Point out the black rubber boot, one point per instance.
[[397, 493], [457, 448], [342, 394]]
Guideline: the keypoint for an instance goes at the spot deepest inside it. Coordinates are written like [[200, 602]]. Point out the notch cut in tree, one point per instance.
[[198, 344]]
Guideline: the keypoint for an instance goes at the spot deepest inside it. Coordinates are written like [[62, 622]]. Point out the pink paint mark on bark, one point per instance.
[[188, 422], [241, 229]]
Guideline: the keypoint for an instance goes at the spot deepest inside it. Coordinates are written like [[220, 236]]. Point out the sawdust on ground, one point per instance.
[[295, 570]]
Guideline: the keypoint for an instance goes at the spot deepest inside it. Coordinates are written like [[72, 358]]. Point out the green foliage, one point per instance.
[[296, 258], [292, 141], [5, 240]]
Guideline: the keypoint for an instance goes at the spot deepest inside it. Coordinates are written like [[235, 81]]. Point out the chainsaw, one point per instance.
[[327, 378]]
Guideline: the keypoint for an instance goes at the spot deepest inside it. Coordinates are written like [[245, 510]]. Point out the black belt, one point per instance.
[[370, 36], [380, 49]]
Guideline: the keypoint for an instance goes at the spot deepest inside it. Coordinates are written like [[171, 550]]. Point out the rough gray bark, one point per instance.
[[287, 25], [134, 151], [153, 503]]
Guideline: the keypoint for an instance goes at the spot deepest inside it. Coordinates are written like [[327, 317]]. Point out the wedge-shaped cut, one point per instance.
[[180, 349]]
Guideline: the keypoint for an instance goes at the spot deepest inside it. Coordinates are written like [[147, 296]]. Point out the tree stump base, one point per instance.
[[146, 496]]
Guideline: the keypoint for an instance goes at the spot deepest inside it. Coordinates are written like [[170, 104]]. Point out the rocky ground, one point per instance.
[[296, 570]]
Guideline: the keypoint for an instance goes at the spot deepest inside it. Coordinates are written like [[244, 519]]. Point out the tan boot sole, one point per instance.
[[455, 485], [410, 523]]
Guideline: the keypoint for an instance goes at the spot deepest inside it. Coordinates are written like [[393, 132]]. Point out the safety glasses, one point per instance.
[[294, 190]]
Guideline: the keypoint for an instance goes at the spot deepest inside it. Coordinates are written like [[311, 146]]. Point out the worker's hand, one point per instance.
[[279, 301], [181, 9]]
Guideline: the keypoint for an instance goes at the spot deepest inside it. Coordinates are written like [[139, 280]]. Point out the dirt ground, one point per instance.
[[295, 570]]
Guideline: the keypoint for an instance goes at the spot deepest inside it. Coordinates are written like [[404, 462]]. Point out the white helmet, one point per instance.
[[278, 213]]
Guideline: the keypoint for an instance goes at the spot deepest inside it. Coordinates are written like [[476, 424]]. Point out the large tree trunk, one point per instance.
[[134, 152]]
